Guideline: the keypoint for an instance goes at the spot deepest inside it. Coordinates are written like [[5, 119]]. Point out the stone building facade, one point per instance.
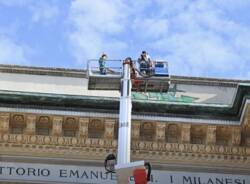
[[53, 130]]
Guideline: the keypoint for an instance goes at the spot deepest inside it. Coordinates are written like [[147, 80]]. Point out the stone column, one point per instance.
[[83, 127], [57, 126], [160, 132], [4, 122], [30, 125], [109, 128], [185, 133], [135, 130], [236, 136]]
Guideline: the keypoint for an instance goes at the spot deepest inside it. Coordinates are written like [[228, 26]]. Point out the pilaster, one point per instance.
[[30, 125], [83, 127], [57, 125], [236, 136], [4, 122], [185, 133], [160, 132], [135, 130], [211, 135], [109, 128]]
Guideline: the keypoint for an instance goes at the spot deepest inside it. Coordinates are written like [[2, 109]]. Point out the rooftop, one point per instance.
[[66, 89]]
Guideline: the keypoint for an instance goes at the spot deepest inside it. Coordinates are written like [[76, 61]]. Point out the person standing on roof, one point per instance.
[[102, 64]]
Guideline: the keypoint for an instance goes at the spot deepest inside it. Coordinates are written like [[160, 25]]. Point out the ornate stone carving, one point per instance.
[[109, 128], [135, 130], [185, 133], [172, 133], [31, 125], [198, 134], [44, 120], [223, 135], [162, 152], [211, 135], [147, 131], [70, 123], [70, 127], [57, 126], [18, 119], [96, 128], [4, 122], [83, 127], [160, 131], [236, 136], [247, 135]]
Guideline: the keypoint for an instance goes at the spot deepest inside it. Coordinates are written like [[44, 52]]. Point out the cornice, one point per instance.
[[65, 72], [234, 112], [70, 72], [156, 152]]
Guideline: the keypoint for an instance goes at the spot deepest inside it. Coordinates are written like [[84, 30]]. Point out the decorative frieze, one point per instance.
[[55, 144], [149, 139]]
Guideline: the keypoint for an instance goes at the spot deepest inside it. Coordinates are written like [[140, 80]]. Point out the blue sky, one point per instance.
[[208, 38]]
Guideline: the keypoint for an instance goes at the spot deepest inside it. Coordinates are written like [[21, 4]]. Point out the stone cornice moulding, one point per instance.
[[75, 147], [134, 117]]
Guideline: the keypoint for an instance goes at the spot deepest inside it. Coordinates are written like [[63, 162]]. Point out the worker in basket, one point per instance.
[[145, 63], [102, 64], [132, 66]]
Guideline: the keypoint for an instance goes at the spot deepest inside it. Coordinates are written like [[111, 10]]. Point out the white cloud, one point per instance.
[[41, 11], [149, 28], [44, 12], [205, 42], [198, 37], [95, 26], [14, 2], [11, 52]]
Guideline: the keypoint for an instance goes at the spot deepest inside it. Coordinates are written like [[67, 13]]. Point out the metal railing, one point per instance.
[[114, 68], [111, 67]]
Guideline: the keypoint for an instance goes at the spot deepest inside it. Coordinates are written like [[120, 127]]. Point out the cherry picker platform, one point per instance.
[[157, 80], [126, 77]]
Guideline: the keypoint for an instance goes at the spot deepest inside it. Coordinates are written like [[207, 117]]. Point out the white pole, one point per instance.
[[125, 116]]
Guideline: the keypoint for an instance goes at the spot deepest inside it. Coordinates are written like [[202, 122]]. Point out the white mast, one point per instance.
[[125, 116]]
